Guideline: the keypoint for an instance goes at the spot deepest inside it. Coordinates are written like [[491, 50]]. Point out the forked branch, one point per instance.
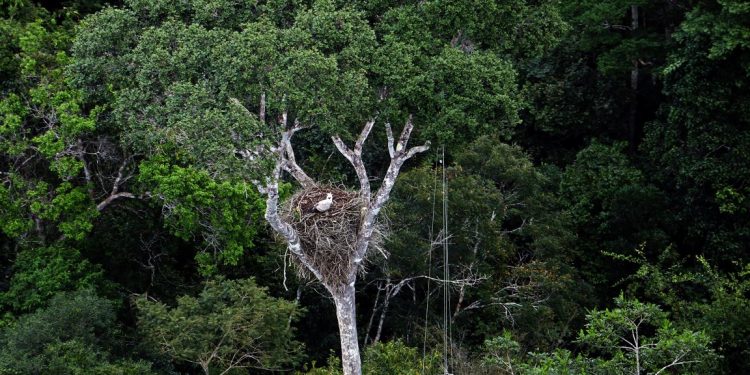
[[355, 157], [286, 161], [399, 154], [289, 161]]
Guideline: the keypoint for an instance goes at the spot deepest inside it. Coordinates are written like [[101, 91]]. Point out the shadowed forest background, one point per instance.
[[594, 157]]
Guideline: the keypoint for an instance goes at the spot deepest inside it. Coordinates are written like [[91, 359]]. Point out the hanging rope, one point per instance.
[[429, 265], [447, 324], [447, 332]]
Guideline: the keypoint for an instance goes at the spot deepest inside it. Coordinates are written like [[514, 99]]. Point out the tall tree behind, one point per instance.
[[602, 80], [697, 149], [168, 71]]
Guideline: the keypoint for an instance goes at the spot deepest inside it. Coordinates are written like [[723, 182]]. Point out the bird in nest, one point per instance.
[[325, 204]]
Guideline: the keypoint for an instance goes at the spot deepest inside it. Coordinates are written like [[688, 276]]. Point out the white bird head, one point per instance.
[[325, 204]]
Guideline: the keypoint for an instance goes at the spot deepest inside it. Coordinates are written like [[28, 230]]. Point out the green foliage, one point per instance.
[[14, 222], [612, 208], [723, 23], [320, 81], [462, 90], [703, 297], [225, 214], [70, 336], [40, 273], [632, 338], [505, 226], [68, 209], [74, 357], [42, 126], [621, 335], [395, 357], [697, 146], [499, 350], [328, 67], [156, 100], [502, 354], [606, 28], [230, 324], [388, 358], [602, 183], [477, 85]]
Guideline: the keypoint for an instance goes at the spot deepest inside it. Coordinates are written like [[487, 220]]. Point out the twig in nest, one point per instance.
[[329, 238]]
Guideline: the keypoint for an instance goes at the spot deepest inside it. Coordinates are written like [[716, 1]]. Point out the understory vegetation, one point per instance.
[[576, 198]]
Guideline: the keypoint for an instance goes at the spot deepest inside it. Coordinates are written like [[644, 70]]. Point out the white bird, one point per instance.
[[325, 204]]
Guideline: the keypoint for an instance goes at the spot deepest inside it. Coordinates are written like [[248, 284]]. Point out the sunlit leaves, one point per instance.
[[225, 215], [624, 334], [230, 323], [40, 273]]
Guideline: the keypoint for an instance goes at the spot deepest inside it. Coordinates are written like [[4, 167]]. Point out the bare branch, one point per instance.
[[607, 25], [107, 201], [119, 178], [343, 149], [403, 140], [363, 136], [355, 157], [80, 154], [399, 156], [416, 150], [272, 214], [343, 292], [372, 317], [115, 192], [359, 166], [389, 134], [389, 288], [676, 362], [382, 93], [289, 162], [471, 267]]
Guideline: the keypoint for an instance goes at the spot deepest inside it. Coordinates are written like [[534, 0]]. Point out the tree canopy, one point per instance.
[[588, 174]]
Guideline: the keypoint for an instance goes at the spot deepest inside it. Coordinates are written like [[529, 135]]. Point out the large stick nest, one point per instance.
[[329, 238]]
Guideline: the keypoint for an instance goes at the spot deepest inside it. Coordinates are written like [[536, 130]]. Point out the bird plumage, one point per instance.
[[325, 204]]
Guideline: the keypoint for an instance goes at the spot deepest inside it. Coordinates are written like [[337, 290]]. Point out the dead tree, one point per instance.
[[341, 288]]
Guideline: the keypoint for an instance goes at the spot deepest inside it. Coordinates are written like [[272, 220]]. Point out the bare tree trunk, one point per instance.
[[283, 153], [386, 302], [372, 317], [472, 265], [296, 303], [347, 319], [382, 320], [634, 76]]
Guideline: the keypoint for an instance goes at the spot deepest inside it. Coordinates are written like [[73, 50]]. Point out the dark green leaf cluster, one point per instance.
[[230, 324], [589, 162], [73, 335]]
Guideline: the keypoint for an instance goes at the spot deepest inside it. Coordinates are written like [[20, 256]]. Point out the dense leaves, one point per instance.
[[589, 162], [74, 334], [231, 324]]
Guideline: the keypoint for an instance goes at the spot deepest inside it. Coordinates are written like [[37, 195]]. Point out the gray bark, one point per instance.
[[347, 319], [386, 303], [343, 295], [372, 317]]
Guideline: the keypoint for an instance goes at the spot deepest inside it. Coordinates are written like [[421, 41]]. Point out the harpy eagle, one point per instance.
[[325, 204]]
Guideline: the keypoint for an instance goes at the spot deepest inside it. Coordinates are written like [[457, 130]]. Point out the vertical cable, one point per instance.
[[446, 269], [429, 264]]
